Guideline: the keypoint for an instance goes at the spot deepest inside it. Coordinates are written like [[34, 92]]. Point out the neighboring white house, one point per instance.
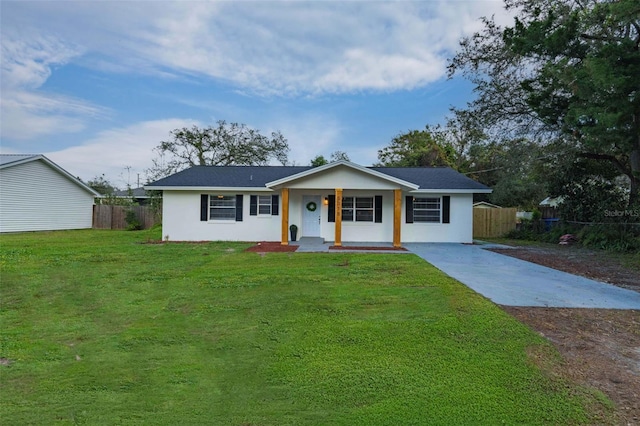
[[338, 202], [38, 195]]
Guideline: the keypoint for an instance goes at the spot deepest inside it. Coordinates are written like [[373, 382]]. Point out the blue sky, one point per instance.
[[97, 85]]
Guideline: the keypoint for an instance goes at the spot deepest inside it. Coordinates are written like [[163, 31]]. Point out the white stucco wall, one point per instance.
[[181, 220], [36, 197], [459, 230]]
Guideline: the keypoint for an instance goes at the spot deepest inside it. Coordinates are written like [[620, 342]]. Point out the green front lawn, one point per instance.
[[100, 328]]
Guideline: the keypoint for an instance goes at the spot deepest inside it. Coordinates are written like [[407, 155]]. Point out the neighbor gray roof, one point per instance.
[[12, 158], [427, 178], [134, 192]]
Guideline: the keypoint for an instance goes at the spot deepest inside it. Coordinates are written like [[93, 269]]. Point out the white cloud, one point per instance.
[[308, 135], [26, 62], [283, 48], [269, 48], [316, 47], [112, 151], [27, 112]]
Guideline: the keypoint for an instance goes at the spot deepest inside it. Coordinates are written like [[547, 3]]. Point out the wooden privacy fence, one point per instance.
[[489, 223], [113, 217]]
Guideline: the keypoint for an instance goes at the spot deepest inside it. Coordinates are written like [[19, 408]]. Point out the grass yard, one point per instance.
[[100, 328]]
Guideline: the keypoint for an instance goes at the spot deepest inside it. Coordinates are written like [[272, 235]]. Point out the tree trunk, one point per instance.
[[634, 160]]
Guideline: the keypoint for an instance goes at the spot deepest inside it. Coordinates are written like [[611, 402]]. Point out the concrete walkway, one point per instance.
[[514, 282]]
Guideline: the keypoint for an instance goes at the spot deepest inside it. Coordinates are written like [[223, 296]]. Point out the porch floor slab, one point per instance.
[[315, 245]]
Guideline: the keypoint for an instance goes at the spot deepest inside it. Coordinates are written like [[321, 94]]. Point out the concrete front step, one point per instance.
[[311, 241]]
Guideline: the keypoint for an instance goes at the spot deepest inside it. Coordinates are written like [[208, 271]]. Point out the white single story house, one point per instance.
[[340, 201], [38, 195]]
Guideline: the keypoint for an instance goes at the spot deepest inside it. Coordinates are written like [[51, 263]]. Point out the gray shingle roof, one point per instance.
[[432, 177], [258, 176], [135, 193], [228, 176]]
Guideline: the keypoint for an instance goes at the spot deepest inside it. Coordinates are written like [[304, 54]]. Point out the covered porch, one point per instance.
[[339, 215]]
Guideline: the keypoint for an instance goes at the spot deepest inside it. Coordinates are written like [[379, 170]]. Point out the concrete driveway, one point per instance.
[[514, 282]]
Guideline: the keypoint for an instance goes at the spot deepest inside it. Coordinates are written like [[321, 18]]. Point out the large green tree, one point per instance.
[[224, 145], [565, 71], [319, 160], [507, 166], [417, 148], [102, 185], [512, 169]]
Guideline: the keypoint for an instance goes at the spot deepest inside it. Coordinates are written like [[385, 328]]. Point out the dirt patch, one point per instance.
[[271, 247], [600, 347], [579, 261]]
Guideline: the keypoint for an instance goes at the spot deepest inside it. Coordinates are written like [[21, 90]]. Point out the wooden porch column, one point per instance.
[[397, 217], [338, 237], [285, 217]]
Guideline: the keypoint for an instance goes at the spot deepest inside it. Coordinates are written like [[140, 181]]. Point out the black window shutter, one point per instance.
[[378, 209], [253, 205], [409, 208], [204, 207], [446, 208], [239, 208], [274, 205], [331, 217]]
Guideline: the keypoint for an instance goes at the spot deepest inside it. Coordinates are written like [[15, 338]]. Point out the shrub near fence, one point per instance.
[[615, 236], [114, 217], [490, 223]]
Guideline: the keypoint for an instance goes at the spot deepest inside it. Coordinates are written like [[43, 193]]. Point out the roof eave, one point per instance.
[[208, 188], [451, 191]]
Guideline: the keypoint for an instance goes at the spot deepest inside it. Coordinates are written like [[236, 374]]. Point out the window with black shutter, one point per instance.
[[331, 209], [378, 209]]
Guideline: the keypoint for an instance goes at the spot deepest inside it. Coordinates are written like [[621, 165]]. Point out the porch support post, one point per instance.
[[285, 217], [338, 236], [397, 216]]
